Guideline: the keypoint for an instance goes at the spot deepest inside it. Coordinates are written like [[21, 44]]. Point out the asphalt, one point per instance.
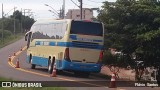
[[5, 69]]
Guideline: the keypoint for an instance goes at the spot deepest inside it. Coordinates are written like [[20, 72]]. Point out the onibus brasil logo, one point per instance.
[[20, 84]]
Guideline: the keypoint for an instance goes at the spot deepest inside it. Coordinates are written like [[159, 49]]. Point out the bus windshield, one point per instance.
[[86, 28]]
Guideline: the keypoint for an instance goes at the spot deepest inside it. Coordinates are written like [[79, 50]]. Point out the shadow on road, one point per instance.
[[71, 74]]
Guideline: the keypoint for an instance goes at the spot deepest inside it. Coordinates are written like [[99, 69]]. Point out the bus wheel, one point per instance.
[[50, 66], [30, 58], [33, 66]]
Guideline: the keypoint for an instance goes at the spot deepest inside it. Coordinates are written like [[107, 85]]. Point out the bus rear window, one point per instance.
[[86, 28]]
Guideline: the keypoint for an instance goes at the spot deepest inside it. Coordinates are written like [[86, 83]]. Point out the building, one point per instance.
[[76, 14]]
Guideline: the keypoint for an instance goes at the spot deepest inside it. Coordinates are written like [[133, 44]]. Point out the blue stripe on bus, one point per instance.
[[38, 43], [65, 65], [42, 43], [97, 41], [40, 61], [73, 37], [72, 44], [52, 44]]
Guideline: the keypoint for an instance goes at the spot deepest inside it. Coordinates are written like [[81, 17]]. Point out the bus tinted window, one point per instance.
[[86, 28]]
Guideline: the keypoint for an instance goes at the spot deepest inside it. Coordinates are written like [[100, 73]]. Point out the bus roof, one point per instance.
[[42, 21]]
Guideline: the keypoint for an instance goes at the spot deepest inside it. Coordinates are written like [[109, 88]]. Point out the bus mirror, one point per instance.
[[26, 37]]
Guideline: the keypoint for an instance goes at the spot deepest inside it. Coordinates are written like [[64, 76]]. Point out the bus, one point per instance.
[[72, 45]]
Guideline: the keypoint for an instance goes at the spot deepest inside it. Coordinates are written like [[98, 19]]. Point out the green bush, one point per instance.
[[108, 58], [118, 59], [6, 33]]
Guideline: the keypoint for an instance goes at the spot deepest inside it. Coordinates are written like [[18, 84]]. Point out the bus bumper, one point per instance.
[[84, 67]]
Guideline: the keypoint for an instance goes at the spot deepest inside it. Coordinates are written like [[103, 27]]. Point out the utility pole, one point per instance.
[[60, 13], [14, 22], [27, 11], [21, 19], [80, 8], [25, 18], [63, 9], [2, 25], [24, 21]]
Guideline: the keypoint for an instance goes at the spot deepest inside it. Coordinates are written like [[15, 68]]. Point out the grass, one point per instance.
[[10, 39], [5, 79]]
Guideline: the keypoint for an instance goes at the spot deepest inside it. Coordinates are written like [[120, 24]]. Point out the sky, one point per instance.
[[40, 11]]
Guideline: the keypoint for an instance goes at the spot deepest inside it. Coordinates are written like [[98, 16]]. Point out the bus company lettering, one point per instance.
[[14, 84], [85, 39], [34, 85]]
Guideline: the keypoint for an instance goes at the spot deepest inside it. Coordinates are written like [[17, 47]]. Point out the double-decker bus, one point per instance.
[[73, 45]]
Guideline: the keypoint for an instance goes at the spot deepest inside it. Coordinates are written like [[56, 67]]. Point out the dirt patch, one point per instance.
[[123, 73]]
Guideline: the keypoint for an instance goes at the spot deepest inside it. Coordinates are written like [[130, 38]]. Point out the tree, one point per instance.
[[20, 20], [25, 20], [9, 25], [18, 15], [133, 26]]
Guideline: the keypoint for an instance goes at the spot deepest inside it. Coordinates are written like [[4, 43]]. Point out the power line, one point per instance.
[[95, 1], [75, 3], [53, 12], [83, 3], [81, 7], [89, 5]]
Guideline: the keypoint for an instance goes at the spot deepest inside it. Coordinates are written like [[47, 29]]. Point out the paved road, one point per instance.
[[40, 74], [6, 70]]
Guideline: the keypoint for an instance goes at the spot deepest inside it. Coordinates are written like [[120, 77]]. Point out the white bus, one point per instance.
[[73, 45]]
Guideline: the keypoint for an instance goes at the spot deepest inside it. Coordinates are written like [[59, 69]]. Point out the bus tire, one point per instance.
[[33, 66], [30, 58], [50, 66]]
